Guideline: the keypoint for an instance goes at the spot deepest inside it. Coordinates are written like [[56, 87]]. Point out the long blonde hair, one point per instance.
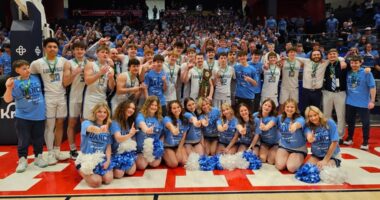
[[322, 118], [147, 103], [226, 106], [107, 121]]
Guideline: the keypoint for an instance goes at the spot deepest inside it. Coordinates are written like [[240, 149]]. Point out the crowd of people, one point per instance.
[[219, 86]]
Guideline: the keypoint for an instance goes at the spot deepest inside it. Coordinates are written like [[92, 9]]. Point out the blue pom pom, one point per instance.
[[207, 163], [99, 168], [308, 173], [158, 149], [254, 161], [124, 161], [216, 159]]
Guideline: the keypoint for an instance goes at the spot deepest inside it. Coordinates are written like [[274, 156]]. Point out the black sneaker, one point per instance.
[[340, 141], [73, 154]]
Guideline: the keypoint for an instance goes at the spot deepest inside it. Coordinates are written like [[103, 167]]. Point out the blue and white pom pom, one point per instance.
[[308, 173], [228, 161], [207, 163], [88, 162], [153, 149], [333, 175]]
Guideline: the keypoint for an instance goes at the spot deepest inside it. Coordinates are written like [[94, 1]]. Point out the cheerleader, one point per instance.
[[246, 127], [323, 135], [148, 121], [292, 148], [95, 146], [208, 118], [175, 129], [267, 129], [123, 130], [193, 141], [227, 133]]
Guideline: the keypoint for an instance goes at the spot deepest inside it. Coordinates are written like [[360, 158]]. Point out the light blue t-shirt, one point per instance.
[[369, 58], [323, 139], [225, 137], [358, 88], [194, 134], [244, 89], [115, 127], [259, 69], [211, 129], [270, 136], [155, 85], [5, 61], [141, 136], [170, 139], [34, 107], [248, 137], [93, 142], [291, 140]]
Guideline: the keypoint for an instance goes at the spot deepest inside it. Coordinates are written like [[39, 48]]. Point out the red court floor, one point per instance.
[[362, 167]]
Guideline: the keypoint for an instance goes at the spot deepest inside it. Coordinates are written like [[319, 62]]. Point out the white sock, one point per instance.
[[49, 133]]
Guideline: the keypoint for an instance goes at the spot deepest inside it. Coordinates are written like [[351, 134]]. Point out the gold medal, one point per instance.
[[291, 73], [353, 85], [27, 96], [52, 76]]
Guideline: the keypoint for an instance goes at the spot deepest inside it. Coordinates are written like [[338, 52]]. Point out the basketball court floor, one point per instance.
[[63, 182]]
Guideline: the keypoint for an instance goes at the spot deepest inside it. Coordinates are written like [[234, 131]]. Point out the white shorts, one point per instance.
[[56, 107], [274, 99], [287, 93], [75, 109]]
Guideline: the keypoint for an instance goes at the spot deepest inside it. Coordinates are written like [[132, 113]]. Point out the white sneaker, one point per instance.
[[348, 142], [61, 156], [51, 158], [364, 147], [22, 165], [40, 162]]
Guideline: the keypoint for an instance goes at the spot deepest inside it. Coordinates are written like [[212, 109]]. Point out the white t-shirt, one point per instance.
[[52, 78]]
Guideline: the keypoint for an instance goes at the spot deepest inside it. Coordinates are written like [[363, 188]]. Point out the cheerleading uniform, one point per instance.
[[324, 136], [269, 137], [225, 137], [292, 142], [210, 132], [194, 134], [141, 136], [171, 140]]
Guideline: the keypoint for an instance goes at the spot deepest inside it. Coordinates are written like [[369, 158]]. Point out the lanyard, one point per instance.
[[354, 77], [171, 72], [314, 68], [212, 66], [52, 70], [199, 74], [332, 69], [292, 65], [80, 64], [130, 79], [223, 71], [272, 70], [25, 87]]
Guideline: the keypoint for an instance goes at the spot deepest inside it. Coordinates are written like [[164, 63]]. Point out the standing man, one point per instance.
[[73, 75], [361, 92], [50, 68], [334, 90]]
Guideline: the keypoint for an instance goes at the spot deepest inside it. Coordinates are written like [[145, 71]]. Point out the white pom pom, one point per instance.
[[228, 161], [192, 163], [148, 150], [88, 162], [332, 174], [241, 163], [127, 146]]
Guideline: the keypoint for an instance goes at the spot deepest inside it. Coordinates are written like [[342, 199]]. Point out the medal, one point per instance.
[[52, 76], [27, 96], [353, 85], [313, 75], [272, 79], [101, 81], [291, 73], [26, 88]]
